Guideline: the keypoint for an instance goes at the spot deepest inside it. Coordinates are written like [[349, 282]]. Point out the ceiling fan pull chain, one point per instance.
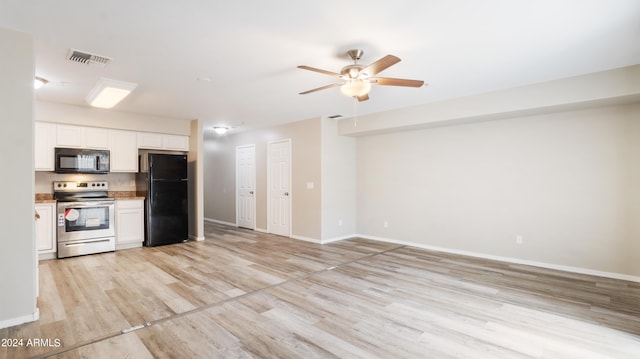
[[355, 111]]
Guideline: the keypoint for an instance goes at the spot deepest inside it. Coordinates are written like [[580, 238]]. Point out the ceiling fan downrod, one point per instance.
[[355, 54]]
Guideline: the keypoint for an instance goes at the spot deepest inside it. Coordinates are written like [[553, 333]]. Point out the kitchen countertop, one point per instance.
[[40, 201], [119, 195], [45, 198]]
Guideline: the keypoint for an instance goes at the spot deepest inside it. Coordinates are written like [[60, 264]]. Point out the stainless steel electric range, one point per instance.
[[85, 218]]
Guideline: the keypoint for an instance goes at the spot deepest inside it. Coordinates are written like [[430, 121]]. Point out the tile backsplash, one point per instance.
[[117, 181]]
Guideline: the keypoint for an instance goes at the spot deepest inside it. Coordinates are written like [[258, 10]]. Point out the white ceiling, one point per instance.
[[250, 50]]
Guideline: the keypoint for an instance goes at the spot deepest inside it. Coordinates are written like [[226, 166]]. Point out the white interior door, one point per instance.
[[279, 187], [246, 186]]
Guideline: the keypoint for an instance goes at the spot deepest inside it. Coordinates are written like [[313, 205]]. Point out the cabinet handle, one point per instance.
[[37, 215]]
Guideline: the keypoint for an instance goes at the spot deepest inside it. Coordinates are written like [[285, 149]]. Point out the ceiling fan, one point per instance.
[[358, 78]]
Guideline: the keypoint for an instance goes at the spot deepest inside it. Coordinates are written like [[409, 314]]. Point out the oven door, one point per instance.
[[85, 220]]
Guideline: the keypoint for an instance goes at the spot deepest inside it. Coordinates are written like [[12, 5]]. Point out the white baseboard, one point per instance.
[[306, 239], [220, 222], [336, 239], [261, 230], [196, 238], [20, 320], [128, 245], [322, 241], [45, 256], [564, 268]]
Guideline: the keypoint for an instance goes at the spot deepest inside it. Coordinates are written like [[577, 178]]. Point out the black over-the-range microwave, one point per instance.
[[76, 160]]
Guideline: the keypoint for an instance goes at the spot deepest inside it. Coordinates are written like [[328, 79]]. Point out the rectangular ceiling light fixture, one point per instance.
[[107, 93]]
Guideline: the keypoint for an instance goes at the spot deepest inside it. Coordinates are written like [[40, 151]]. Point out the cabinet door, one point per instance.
[[70, 136], [124, 151], [149, 140], [175, 142], [97, 138], [129, 222], [44, 144], [45, 228]]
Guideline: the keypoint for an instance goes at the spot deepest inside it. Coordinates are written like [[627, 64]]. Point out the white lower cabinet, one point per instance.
[[129, 223], [46, 230]]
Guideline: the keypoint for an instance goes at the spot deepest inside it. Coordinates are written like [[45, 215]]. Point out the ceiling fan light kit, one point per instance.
[[355, 88], [358, 78]]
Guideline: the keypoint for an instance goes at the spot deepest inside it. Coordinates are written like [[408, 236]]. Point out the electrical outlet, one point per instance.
[[519, 239], [339, 223], [385, 224]]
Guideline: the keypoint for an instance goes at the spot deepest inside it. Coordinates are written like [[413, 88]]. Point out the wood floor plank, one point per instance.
[[245, 294]]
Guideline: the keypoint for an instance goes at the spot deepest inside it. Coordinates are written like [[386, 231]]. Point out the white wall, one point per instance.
[[338, 172], [567, 182], [620, 85], [17, 242]]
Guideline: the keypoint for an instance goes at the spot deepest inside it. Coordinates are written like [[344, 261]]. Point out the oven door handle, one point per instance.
[[86, 204], [85, 241]]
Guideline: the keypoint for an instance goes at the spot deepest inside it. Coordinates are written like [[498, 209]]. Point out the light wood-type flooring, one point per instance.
[[241, 294]]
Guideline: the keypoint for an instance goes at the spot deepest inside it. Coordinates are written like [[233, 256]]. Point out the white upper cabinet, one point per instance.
[[44, 144], [82, 137], [123, 144], [158, 141], [123, 148], [149, 140], [97, 138], [175, 142], [69, 136]]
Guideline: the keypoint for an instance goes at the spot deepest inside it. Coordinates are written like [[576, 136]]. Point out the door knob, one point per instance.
[[250, 192], [286, 193]]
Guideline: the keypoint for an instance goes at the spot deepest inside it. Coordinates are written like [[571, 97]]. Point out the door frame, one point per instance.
[[253, 200], [269, 143]]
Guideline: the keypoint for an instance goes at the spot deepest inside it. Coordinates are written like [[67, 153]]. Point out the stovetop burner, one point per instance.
[[82, 199], [81, 191]]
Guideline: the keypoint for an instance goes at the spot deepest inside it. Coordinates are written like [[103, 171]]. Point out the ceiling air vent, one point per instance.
[[87, 58]]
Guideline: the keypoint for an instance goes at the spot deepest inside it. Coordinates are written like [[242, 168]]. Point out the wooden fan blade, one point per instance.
[[321, 88], [364, 97], [330, 73], [380, 65], [387, 81]]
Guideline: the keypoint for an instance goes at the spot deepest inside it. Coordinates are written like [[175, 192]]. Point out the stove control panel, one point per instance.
[[65, 186]]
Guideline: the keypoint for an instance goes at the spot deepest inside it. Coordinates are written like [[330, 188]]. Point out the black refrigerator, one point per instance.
[[164, 181]]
